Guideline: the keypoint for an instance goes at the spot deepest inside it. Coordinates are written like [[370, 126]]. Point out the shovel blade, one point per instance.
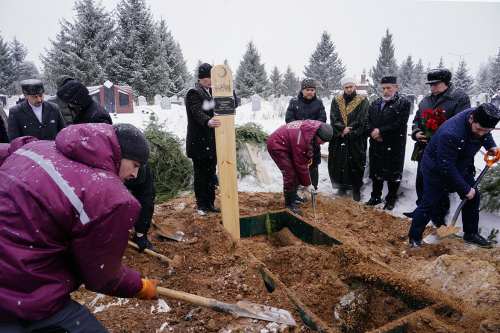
[[433, 238], [440, 234], [264, 312], [169, 233]]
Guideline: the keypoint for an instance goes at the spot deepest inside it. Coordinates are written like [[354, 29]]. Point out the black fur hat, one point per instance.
[[439, 75], [204, 71], [32, 87]]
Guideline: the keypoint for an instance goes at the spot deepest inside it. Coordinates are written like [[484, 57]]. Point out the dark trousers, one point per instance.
[[144, 190], [443, 203], [424, 211], [75, 318], [378, 186], [204, 181]]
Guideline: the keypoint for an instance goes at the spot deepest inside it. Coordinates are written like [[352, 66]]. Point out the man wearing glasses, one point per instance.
[[34, 117], [448, 165]]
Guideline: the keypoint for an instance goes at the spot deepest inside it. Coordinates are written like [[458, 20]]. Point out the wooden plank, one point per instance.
[[225, 139], [253, 150]]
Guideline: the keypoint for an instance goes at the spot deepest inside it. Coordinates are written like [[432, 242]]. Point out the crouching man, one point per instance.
[[65, 217], [291, 147]]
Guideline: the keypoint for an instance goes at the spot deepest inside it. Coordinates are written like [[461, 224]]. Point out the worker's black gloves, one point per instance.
[[143, 243]]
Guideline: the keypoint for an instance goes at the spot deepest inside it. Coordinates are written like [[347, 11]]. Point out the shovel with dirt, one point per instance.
[[444, 232], [243, 309], [319, 216], [167, 232]]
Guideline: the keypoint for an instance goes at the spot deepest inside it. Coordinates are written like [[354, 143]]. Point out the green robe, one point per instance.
[[347, 155]]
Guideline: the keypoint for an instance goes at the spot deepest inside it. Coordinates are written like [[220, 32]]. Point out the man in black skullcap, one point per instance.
[[308, 106], [200, 140], [33, 116], [386, 125], [448, 165], [443, 95]]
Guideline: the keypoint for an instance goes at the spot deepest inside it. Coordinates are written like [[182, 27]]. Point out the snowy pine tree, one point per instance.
[[462, 79], [483, 80], [251, 77], [194, 76], [83, 49], [386, 65], [6, 68], [441, 63], [22, 69], [276, 86], [326, 67], [406, 76], [141, 62], [291, 85], [179, 75], [494, 75], [419, 79]]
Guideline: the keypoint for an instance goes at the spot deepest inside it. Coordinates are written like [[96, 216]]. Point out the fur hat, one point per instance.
[[204, 71], [325, 132], [439, 75], [487, 115], [74, 93], [32, 87], [133, 142], [308, 83], [348, 79], [389, 79]]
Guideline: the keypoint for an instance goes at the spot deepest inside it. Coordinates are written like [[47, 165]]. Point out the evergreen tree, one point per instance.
[[494, 75], [22, 69], [83, 49], [462, 79], [386, 65], [441, 63], [483, 79], [419, 79], [276, 79], [179, 73], [194, 77], [251, 76], [326, 67], [291, 85], [6, 68], [406, 76], [141, 62]]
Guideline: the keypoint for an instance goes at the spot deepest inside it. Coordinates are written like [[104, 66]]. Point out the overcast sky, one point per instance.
[[286, 32]]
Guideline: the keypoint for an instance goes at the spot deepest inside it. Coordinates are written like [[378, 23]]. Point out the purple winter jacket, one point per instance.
[[65, 217], [295, 139]]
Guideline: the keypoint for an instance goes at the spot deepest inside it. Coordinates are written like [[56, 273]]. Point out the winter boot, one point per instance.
[[390, 199], [290, 202]]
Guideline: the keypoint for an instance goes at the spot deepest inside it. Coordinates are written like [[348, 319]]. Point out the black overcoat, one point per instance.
[[23, 121], [200, 138], [388, 156]]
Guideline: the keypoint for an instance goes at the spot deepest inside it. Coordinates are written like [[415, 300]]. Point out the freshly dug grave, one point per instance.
[[373, 281]]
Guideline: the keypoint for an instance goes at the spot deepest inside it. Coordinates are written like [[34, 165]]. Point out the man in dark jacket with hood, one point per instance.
[[200, 140], [443, 95], [448, 165], [308, 106], [63, 106], [65, 218], [83, 107], [386, 125]]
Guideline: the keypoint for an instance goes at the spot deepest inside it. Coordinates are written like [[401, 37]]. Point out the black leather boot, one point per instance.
[[290, 202]]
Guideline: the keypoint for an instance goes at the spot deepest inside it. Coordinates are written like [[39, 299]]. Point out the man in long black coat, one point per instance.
[[200, 140], [308, 106], [34, 116], [386, 125], [443, 95]]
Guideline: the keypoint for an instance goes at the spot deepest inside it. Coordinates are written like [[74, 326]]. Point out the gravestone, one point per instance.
[[166, 103], [482, 98], [173, 98], [142, 101], [276, 105], [244, 101], [157, 99], [255, 102], [495, 100], [270, 98]]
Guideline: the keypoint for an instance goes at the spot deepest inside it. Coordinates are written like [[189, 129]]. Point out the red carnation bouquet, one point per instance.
[[432, 119]]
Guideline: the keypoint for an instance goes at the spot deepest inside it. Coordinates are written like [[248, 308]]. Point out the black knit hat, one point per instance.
[[75, 93], [439, 75], [32, 87], [389, 79], [325, 132], [487, 115], [133, 142], [204, 71], [308, 82]]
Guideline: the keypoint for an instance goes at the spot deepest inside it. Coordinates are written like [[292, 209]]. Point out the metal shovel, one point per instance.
[[243, 309], [167, 232], [318, 217], [444, 232]]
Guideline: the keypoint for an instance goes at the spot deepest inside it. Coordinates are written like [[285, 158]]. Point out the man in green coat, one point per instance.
[[347, 149]]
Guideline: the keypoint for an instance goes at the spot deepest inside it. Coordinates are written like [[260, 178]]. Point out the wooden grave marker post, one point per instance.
[[225, 139]]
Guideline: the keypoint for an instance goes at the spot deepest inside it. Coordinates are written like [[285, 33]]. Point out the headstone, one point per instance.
[[283, 99], [166, 103], [142, 101], [495, 100], [157, 99], [276, 105], [482, 98], [255, 102], [181, 99], [173, 98], [244, 101], [270, 98]]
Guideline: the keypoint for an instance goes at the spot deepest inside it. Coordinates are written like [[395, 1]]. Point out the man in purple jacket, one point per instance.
[[65, 217], [291, 147]]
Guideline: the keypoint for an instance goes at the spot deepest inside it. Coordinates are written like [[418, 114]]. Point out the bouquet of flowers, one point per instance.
[[431, 119]]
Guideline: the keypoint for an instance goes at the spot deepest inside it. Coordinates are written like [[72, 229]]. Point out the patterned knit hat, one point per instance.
[[133, 142], [325, 132]]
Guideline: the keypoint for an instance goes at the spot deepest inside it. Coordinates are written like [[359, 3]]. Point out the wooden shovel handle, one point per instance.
[[185, 297], [148, 251]]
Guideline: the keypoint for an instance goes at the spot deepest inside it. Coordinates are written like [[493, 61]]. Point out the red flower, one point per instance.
[[432, 119]]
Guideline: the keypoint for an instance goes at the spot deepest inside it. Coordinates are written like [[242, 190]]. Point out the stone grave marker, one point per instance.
[[166, 103], [255, 102], [142, 101], [157, 99]]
